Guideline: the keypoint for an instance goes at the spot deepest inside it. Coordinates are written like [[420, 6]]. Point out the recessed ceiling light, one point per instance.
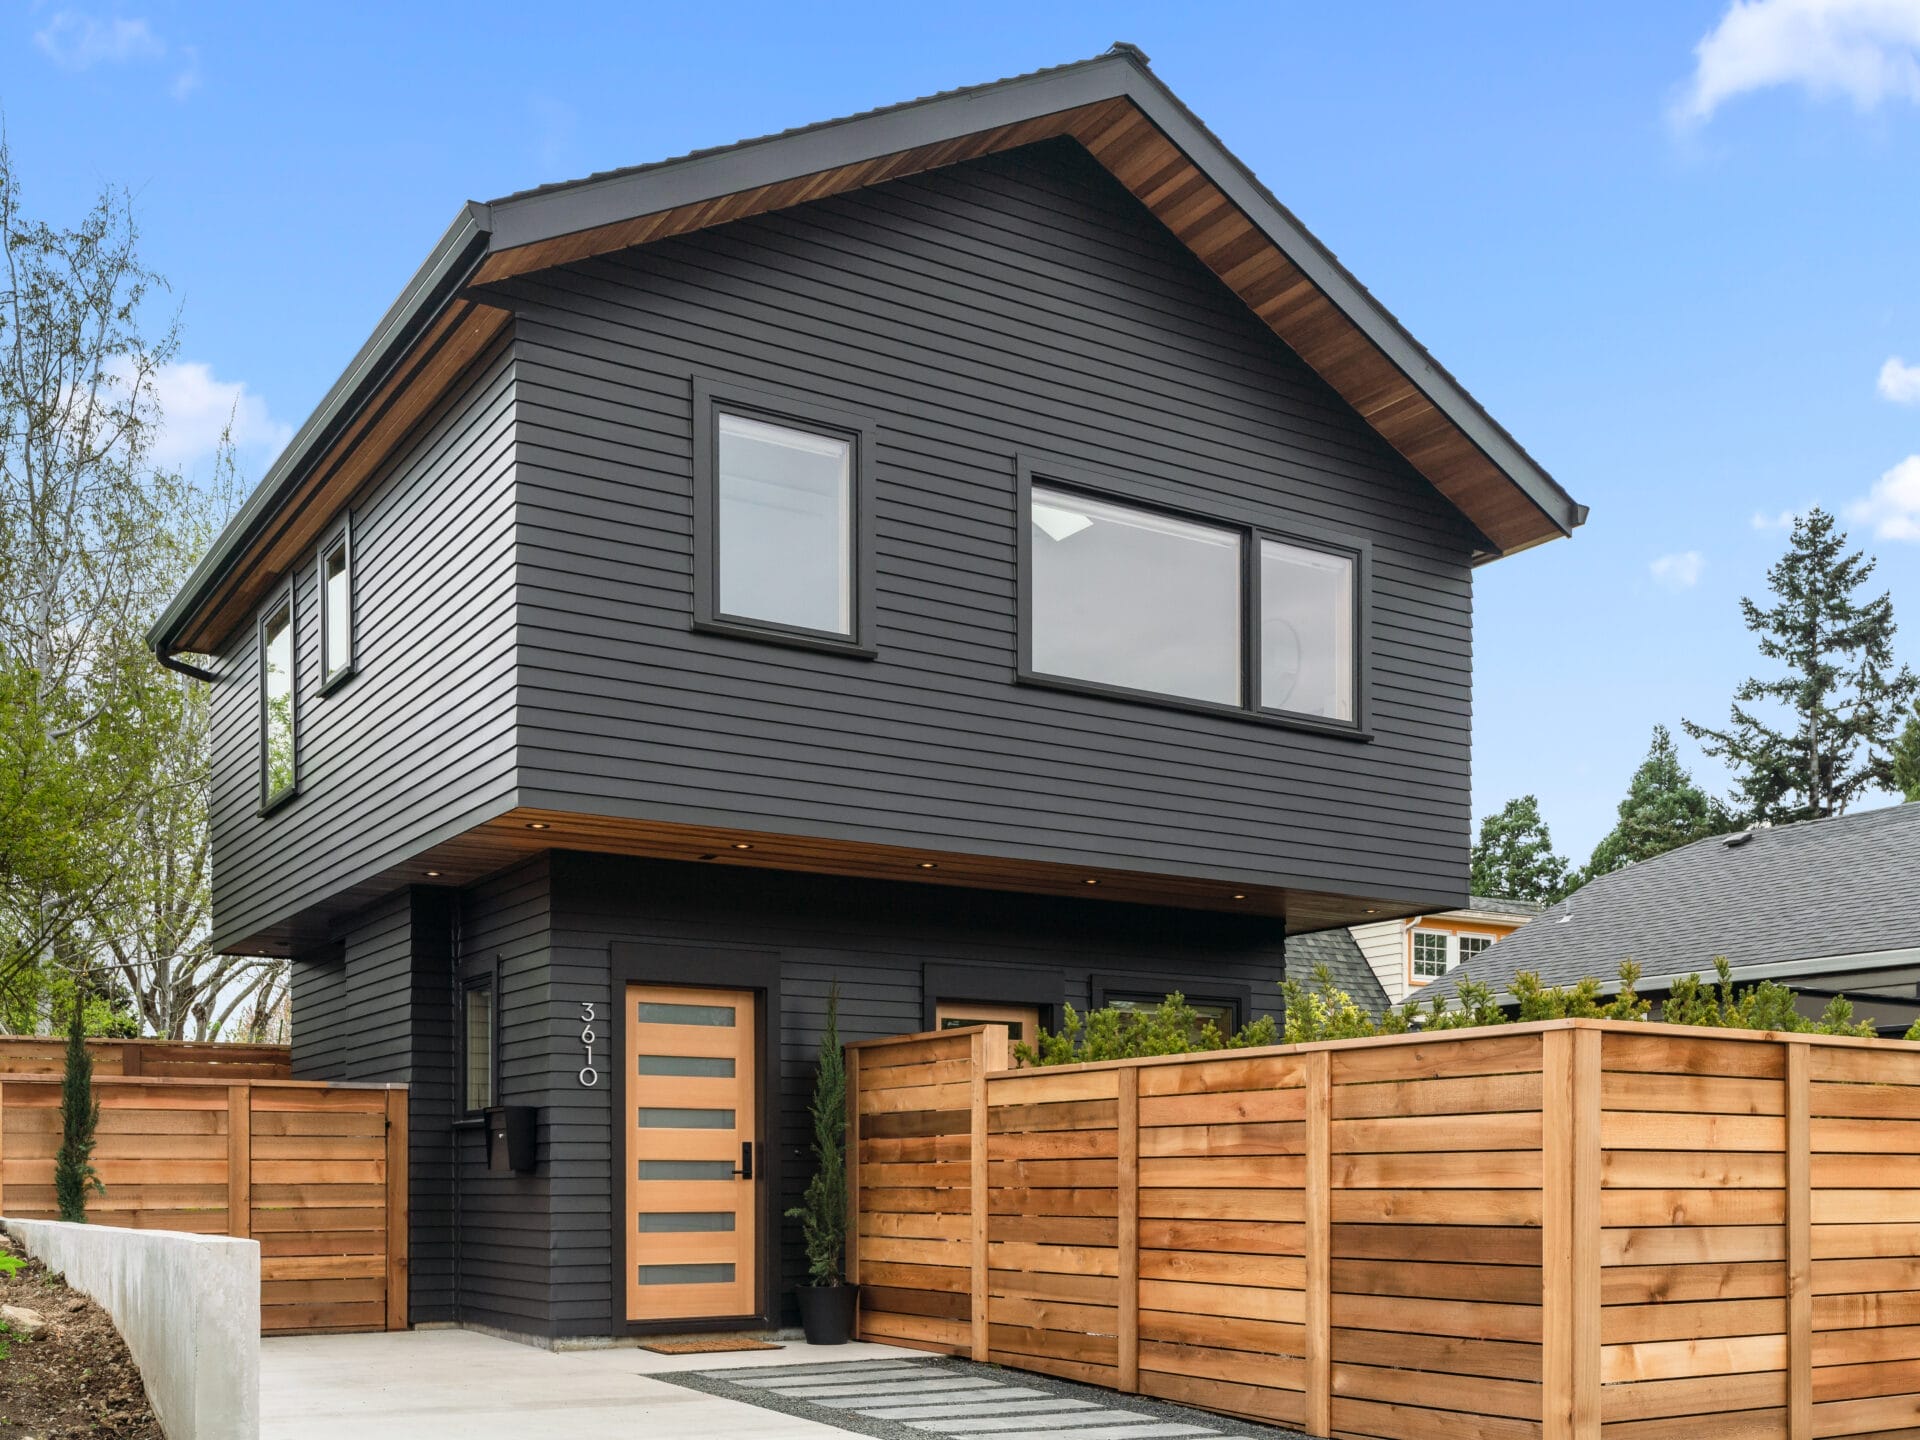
[[433, 874], [1372, 911], [709, 857], [929, 865], [536, 824], [1092, 882], [1239, 897], [741, 845]]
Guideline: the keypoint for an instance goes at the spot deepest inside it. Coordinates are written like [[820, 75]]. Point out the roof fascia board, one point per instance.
[[1318, 264], [459, 250], [530, 219], [591, 205]]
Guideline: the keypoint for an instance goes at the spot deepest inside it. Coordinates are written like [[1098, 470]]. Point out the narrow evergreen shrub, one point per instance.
[[73, 1170], [822, 1211]]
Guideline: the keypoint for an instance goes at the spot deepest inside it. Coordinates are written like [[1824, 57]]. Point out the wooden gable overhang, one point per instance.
[[1112, 105]]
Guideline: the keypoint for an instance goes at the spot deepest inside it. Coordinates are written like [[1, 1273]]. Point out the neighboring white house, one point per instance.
[[1406, 955]]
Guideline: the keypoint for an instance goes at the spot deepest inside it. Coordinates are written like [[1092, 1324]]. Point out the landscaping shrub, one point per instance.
[[822, 1212], [73, 1172], [1323, 1011], [1171, 1028]]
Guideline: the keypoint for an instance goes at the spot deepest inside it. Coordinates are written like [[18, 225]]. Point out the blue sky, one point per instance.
[[1673, 247]]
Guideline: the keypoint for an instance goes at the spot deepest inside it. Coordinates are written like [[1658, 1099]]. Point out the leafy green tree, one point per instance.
[[73, 1172], [1514, 858], [822, 1211], [1662, 811], [103, 767], [1841, 694], [1904, 759]]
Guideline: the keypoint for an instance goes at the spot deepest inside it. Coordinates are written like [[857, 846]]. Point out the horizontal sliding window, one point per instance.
[[1126, 597]]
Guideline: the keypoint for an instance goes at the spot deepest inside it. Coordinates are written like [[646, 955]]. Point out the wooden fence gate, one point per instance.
[[316, 1173]]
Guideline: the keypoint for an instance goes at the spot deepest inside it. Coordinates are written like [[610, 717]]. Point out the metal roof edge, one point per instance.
[[437, 280]]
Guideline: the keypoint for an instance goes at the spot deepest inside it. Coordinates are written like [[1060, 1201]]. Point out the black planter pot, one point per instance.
[[826, 1312]]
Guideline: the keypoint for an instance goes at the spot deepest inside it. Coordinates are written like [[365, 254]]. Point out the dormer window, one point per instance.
[[781, 501]]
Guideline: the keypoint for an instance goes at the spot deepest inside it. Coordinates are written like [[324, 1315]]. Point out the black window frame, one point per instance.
[[485, 980], [285, 594], [1238, 997], [1065, 475], [338, 536], [711, 398]]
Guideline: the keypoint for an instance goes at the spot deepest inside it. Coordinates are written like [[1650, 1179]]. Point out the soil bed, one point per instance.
[[76, 1380]]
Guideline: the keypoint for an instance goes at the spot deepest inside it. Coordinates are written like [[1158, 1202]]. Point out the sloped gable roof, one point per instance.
[[1848, 886], [1112, 104]]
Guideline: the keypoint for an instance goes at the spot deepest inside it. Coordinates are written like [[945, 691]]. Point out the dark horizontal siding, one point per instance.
[[873, 940], [1020, 303], [419, 742]]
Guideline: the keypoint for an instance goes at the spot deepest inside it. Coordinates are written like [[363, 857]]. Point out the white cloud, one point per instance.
[[1892, 507], [77, 41], [1899, 382], [1782, 520], [195, 408], [1679, 571], [1865, 50]]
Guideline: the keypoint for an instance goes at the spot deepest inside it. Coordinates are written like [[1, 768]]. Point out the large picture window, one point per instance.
[[279, 732], [781, 514], [1129, 597], [1126, 597]]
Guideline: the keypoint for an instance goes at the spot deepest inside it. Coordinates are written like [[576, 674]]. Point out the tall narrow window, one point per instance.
[[1133, 598], [478, 1029], [786, 525], [279, 763], [336, 607], [1306, 631]]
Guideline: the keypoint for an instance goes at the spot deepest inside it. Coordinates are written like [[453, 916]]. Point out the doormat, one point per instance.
[[709, 1345]]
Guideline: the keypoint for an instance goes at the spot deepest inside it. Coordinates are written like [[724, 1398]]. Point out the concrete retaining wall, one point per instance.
[[188, 1307]]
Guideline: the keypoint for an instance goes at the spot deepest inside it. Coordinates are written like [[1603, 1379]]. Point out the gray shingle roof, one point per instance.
[[1845, 886], [1340, 953], [1495, 905]]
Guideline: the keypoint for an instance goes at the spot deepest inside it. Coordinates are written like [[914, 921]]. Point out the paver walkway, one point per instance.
[[914, 1399]]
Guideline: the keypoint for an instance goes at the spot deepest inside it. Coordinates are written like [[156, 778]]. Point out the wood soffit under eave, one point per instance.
[[1118, 135]]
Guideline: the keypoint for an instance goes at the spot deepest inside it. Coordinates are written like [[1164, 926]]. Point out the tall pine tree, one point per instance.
[[1905, 758], [1514, 857], [1842, 695], [1662, 811]]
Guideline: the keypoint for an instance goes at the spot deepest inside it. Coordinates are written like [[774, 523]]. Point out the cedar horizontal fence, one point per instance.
[[316, 1173], [1569, 1229], [164, 1059]]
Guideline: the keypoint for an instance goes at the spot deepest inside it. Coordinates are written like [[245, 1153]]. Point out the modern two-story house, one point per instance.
[[981, 554]]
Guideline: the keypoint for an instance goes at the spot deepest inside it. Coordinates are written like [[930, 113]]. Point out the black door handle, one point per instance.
[[745, 1172]]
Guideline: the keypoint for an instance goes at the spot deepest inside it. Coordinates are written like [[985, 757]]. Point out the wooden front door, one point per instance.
[[692, 1156]]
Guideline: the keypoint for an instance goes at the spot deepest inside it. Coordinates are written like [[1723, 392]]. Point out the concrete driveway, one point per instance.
[[411, 1384], [474, 1387]]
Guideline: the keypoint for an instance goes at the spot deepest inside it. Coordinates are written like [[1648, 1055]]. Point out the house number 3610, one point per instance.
[[588, 1075]]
